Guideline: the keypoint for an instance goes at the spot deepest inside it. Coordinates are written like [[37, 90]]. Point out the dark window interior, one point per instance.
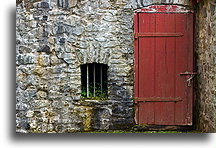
[[95, 84]]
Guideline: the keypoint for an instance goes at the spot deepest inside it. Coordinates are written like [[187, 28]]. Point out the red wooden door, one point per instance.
[[164, 67]]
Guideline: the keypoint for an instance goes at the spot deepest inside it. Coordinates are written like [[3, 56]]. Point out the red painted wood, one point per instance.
[[180, 108], [136, 53], [190, 40], [147, 23], [157, 99], [160, 60], [164, 112], [136, 66], [148, 34]]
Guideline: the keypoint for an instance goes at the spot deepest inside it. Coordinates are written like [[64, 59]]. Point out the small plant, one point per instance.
[[99, 94]]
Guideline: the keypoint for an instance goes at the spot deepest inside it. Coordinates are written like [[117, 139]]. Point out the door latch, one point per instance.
[[190, 76]]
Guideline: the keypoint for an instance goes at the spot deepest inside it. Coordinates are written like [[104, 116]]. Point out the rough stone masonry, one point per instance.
[[205, 53], [55, 37]]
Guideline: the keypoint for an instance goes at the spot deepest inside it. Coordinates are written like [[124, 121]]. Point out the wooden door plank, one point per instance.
[[136, 56], [169, 72], [160, 47], [164, 113], [181, 66], [136, 66], [146, 69], [190, 66]]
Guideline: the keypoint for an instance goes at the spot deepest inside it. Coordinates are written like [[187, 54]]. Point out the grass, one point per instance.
[[122, 131]]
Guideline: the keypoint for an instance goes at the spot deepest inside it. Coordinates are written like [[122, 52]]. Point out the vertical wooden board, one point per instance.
[[169, 56], [190, 66], [146, 113], [164, 111], [181, 66], [136, 66], [160, 67], [146, 67], [136, 57], [169, 109]]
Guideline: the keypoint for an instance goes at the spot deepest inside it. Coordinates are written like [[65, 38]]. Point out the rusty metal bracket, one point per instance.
[[190, 76], [188, 73], [157, 34], [156, 99]]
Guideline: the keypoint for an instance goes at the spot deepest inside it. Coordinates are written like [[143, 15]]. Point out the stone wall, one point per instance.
[[53, 38], [205, 52]]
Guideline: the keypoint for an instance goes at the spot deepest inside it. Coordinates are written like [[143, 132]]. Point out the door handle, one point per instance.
[[190, 76]]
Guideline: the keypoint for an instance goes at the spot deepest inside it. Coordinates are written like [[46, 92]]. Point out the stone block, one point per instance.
[[69, 58], [78, 30], [212, 9], [71, 39], [24, 49], [21, 106], [40, 103], [44, 60], [110, 44], [110, 18], [91, 27], [29, 59], [54, 60], [19, 59], [41, 95], [29, 113], [44, 48], [72, 3]]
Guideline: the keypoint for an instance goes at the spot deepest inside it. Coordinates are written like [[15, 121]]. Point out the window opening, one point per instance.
[[94, 80]]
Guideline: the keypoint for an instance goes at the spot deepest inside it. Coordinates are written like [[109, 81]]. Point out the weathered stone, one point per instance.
[[45, 18], [205, 39], [72, 3], [29, 113], [25, 59], [44, 48], [69, 58], [41, 95], [91, 27], [100, 39], [21, 106], [58, 104], [78, 30], [38, 70], [60, 29], [30, 94], [54, 60], [110, 44], [72, 39], [204, 12], [44, 5], [24, 49], [19, 60], [62, 41], [212, 8], [44, 60], [40, 103], [110, 18]]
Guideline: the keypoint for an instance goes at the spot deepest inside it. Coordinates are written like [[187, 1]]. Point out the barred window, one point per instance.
[[94, 80]]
